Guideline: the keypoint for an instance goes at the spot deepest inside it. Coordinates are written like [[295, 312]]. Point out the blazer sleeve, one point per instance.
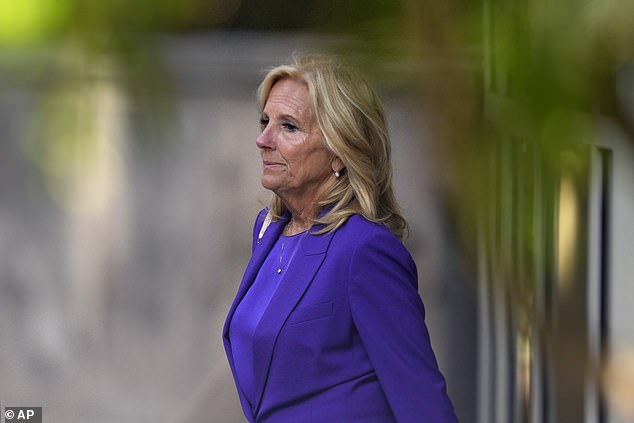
[[389, 315]]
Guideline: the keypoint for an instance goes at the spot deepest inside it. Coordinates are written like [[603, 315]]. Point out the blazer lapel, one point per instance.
[[260, 252], [300, 273]]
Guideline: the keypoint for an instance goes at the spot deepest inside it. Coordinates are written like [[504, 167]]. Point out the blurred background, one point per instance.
[[129, 181]]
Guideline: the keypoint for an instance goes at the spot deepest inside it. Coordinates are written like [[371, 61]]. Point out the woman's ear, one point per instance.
[[337, 165]]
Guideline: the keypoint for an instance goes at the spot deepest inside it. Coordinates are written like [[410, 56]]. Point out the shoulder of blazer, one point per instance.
[[361, 229], [361, 234]]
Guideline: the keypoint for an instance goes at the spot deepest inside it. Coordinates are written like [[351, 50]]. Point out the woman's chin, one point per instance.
[[272, 184]]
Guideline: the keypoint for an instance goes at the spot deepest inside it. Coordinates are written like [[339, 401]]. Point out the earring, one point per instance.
[[337, 174]]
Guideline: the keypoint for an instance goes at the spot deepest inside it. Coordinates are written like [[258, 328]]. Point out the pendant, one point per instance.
[[279, 270]]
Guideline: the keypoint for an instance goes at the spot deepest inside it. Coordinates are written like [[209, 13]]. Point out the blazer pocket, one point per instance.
[[309, 313]]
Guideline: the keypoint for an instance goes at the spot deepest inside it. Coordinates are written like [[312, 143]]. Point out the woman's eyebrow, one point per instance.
[[285, 115], [288, 117]]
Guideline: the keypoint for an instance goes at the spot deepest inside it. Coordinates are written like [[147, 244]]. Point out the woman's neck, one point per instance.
[[301, 221], [303, 205]]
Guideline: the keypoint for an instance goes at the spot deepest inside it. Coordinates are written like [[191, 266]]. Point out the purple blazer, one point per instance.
[[343, 338]]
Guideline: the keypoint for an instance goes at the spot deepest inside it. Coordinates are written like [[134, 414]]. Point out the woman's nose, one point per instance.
[[265, 139]]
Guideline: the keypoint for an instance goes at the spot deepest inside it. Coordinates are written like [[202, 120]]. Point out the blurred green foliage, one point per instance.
[[27, 22]]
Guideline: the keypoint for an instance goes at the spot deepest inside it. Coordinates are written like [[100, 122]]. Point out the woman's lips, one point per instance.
[[271, 164]]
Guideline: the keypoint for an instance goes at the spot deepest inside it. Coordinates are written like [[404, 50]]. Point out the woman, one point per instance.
[[327, 325]]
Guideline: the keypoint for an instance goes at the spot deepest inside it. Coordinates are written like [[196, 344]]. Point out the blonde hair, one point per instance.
[[352, 121]]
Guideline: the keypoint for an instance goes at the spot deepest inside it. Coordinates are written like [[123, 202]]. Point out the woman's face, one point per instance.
[[295, 163]]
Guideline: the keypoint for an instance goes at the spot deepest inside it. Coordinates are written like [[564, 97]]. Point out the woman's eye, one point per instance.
[[289, 127], [263, 123]]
